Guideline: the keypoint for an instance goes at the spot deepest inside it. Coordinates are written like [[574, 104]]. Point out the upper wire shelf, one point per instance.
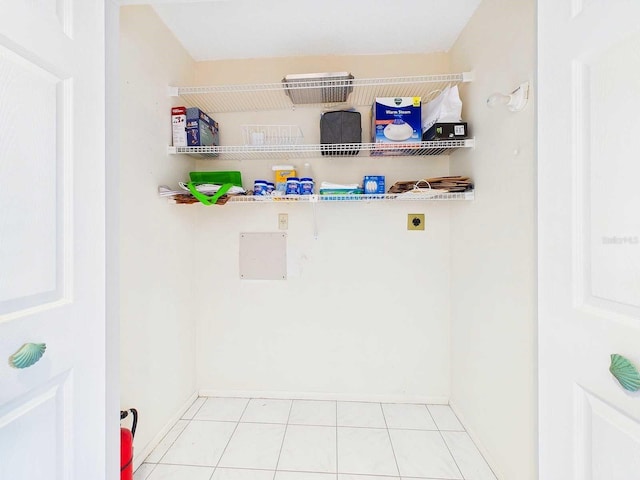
[[272, 96], [242, 152]]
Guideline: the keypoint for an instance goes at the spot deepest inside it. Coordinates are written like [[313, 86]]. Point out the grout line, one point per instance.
[[323, 473], [427, 478], [459, 421], [464, 429], [188, 420], [155, 465], [199, 408], [186, 465], [266, 423], [230, 437], [214, 421], [361, 427], [174, 440], [475, 446], [373, 402], [451, 453], [250, 469], [445, 442], [283, 437], [395, 459], [416, 429], [356, 426], [337, 460], [426, 407], [312, 425], [244, 410]]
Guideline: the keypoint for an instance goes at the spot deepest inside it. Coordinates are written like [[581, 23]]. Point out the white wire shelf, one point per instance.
[[387, 197], [272, 96], [241, 152]]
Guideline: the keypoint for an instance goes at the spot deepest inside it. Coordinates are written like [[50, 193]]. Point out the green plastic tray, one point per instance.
[[218, 178]]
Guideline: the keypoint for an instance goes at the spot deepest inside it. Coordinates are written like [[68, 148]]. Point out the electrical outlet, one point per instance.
[[283, 221], [415, 221]]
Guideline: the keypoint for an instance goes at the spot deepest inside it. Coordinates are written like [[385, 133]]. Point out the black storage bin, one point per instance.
[[340, 127]]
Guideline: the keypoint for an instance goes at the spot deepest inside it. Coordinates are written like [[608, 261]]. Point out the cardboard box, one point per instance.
[[446, 131], [202, 130], [396, 121], [179, 126]]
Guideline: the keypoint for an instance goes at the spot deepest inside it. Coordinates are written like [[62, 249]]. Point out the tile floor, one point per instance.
[[258, 439]]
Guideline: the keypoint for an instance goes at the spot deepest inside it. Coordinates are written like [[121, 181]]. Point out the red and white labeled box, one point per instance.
[[179, 126]]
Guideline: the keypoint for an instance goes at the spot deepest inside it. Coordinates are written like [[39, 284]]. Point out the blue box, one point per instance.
[[373, 184], [396, 121], [202, 130]]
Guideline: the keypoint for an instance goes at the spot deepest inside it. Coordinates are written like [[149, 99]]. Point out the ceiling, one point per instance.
[[227, 29]]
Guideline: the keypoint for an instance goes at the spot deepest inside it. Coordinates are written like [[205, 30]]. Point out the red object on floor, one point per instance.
[[126, 445]]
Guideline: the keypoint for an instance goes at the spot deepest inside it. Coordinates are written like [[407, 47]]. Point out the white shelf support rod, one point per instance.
[[314, 203]]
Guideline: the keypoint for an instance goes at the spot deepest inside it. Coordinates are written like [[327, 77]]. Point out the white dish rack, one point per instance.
[[271, 135]]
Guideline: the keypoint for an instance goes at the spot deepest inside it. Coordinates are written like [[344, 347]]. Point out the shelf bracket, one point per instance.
[[172, 91]]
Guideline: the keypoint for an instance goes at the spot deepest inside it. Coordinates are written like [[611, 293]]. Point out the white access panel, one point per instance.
[[263, 256]]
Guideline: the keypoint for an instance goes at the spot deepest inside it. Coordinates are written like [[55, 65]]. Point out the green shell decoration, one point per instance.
[[27, 355], [625, 372]]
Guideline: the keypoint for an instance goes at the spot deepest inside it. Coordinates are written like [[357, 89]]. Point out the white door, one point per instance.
[[589, 237], [52, 231]]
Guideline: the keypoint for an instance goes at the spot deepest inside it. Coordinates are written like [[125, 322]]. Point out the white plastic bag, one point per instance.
[[445, 108]]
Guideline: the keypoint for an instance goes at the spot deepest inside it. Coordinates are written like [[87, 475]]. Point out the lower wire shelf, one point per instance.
[[387, 197]]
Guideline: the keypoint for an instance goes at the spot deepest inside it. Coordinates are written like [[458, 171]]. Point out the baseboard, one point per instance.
[[140, 455], [343, 397], [476, 439]]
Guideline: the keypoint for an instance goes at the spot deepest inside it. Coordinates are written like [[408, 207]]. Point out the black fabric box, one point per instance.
[[446, 131], [340, 127]]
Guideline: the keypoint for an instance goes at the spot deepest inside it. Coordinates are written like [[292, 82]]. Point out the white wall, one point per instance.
[[156, 257], [112, 231], [365, 310], [493, 313]]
